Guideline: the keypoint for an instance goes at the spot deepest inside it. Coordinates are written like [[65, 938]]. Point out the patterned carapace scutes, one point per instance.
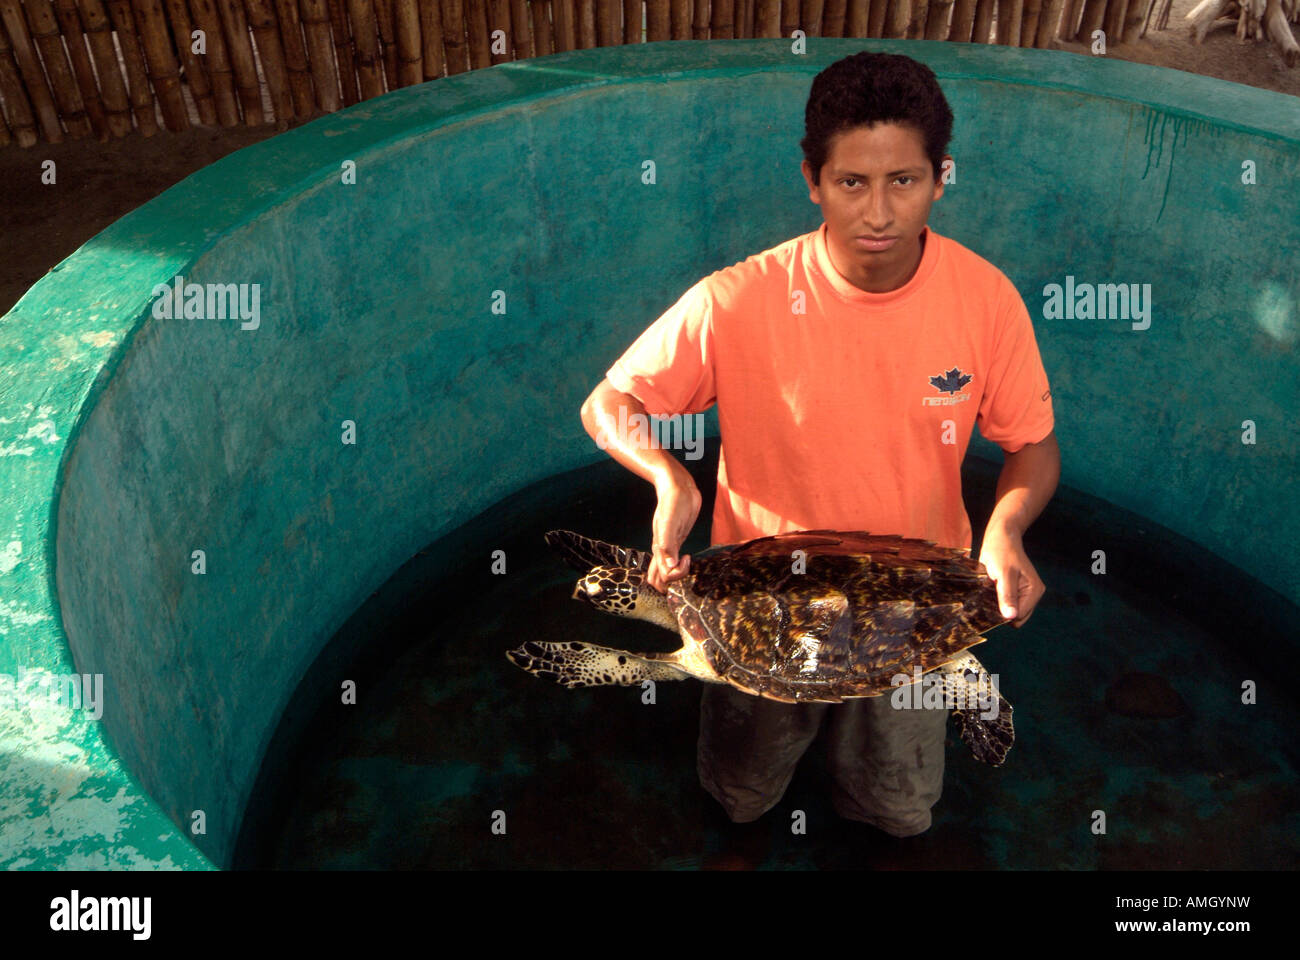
[[865, 608]]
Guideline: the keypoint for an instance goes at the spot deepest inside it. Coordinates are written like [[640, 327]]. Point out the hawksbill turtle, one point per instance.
[[816, 616]]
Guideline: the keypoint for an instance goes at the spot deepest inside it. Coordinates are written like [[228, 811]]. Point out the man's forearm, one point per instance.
[[1025, 485], [600, 417]]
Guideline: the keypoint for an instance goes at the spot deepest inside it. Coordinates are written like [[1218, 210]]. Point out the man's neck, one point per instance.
[[875, 284]]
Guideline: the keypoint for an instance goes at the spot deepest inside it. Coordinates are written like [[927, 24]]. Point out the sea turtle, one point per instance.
[[808, 616]]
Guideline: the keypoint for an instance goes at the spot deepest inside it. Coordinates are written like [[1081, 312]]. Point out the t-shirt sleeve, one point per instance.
[[1016, 407], [670, 366]]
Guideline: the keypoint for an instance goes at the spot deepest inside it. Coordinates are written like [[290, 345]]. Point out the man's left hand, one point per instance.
[[1019, 586]]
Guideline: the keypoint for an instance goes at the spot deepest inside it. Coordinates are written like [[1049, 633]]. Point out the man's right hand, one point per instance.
[[675, 515]]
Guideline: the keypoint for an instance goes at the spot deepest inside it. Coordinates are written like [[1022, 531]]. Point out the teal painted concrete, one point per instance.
[[129, 442]]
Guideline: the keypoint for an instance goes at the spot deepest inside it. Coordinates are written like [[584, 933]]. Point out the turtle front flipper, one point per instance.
[[583, 553], [983, 715], [586, 665]]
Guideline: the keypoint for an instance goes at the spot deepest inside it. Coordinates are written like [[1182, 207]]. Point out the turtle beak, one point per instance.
[[584, 589]]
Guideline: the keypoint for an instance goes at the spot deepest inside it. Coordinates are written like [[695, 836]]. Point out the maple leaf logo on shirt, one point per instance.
[[952, 381]]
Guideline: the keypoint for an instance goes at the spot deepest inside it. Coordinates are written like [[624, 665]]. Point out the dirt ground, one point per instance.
[[99, 183]]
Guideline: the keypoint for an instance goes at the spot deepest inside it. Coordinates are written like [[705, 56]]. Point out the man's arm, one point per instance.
[[1025, 485], [678, 498]]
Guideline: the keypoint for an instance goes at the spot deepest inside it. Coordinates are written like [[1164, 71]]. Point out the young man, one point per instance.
[[849, 366]]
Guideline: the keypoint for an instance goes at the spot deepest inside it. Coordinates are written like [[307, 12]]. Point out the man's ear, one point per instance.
[[806, 169]]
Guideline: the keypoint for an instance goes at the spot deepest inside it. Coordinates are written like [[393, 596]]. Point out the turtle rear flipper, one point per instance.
[[576, 664], [983, 715]]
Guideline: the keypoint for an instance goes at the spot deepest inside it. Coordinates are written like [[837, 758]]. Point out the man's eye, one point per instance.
[[849, 181]]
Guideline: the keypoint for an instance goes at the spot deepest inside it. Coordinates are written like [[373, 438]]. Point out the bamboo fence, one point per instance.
[[103, 68]]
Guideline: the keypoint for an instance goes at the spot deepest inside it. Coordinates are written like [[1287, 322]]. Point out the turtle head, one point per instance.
[[624, 592]]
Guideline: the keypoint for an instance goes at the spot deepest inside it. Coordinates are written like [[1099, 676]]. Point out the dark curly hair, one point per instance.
[[869, 88]]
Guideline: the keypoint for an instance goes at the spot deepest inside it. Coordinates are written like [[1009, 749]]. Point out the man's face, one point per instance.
[[877, 181]]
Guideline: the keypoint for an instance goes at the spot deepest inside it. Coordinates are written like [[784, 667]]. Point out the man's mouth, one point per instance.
[[874, 243]]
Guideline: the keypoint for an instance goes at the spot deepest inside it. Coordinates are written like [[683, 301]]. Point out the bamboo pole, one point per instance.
[[916, 23], [431, 56], [43, 29], [963, 20], [161, 63], [681, 19], [811, 17], [746, 18], [1093, 12], [320, 54], [365, 38], [858, 16], [1029, 22], [21, 118], [736, 9], [82, 69], [1133, 18], [791, 17], [983, 20], [658, 20], [453, 36], [525, 43], [632, 21], [700, 20], [605, 30], [343, 51], [876, 18], [722, 18], [936, 22], [1205, 13], [262, 22], [768, 22], [565, 32], [295, 57], [234, 27], [387, 42], [833, 19], [1047, 24], [1152, 7], [112, 87], [195, 75], [1114, 22], [1009, 25], [217, 60], [410, 50], [594, 24], [543, 35], [900, 15], [586, 23], [1070, 19], [137, 80], [1276, 26], [476, 22]]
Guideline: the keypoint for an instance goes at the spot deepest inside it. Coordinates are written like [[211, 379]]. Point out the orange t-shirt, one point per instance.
[[841, 408]]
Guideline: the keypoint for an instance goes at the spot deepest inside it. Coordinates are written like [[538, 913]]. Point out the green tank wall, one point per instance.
[[127, 443]]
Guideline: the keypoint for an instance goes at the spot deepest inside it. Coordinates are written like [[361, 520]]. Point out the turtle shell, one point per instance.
[[863, 609]]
